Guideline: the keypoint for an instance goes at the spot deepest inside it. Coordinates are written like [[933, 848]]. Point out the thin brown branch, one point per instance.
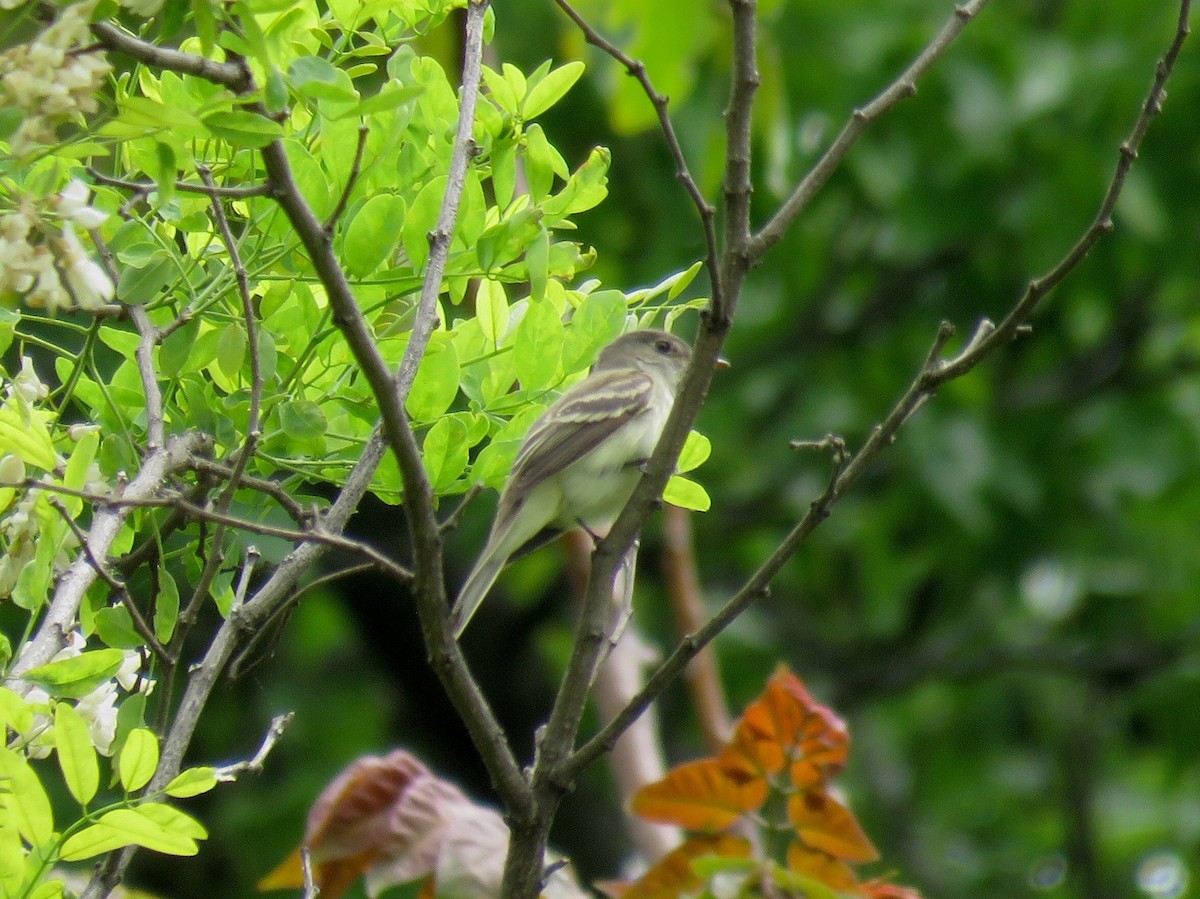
[[661, 103], [226, 74], [145, 362], [351, 180], [904, 86], [145, 187], [296, 511]]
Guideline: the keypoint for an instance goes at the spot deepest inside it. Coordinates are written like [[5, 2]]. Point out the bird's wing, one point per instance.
[[582, 418]]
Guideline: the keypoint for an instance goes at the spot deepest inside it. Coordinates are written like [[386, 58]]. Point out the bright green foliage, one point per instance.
[[365, 116]]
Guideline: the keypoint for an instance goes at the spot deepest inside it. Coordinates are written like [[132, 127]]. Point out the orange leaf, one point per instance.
[[699, 796], [786, 726], [822, 867], [881, 889], [674, 875], [334, 877], [824, 823]]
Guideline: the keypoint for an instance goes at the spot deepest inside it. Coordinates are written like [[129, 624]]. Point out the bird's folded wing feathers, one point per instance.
[[578, 422]]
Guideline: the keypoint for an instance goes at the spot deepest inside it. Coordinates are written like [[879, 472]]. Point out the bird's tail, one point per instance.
[[479, 582]]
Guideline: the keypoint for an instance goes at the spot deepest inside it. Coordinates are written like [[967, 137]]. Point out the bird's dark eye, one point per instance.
[[663, 346]]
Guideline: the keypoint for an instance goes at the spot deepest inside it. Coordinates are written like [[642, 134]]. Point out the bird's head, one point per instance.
[[654, 352]]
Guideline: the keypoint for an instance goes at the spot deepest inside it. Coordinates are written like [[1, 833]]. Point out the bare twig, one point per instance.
[[296, 511], [451, 521], [904, 86], [254, 765], [637, 69], [226, 74], [311, 890]]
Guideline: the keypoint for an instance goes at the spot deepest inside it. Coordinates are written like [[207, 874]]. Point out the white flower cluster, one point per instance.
[[52, 78], [46, 264], [98, 708]]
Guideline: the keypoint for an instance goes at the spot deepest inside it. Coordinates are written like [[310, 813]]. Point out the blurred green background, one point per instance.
[[1006, 608]]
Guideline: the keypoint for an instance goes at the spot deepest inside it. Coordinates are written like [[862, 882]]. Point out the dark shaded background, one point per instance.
[[1006, 607]]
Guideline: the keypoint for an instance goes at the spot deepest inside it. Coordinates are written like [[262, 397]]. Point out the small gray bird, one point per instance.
[[582, 458]]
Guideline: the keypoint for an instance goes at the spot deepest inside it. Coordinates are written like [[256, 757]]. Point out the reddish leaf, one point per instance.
[[351, 822], [699, 796], [352, 813], [786, 726], [822, 867], [881, 889], [674, 875], [824, 823]]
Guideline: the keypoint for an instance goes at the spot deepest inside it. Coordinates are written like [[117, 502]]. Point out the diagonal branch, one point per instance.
[[903, 87]]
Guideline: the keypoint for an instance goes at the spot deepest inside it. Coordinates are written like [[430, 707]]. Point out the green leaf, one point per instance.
[[445, 451], [436, 383], [76, 754], [499, 90], [696, 449], [538, 346], [491, 310], [421, 219], [373, 233], [141, 829], [14, 712], [541, 160], [598, 321], [139, 758], [231, 349], [23, 800], [76, 677], [26, 437], [138, 286], [686, 494], [52, 889], [319, 79], [192, 782], [172, 820], [115, 627], [242, 128], [302, 419], [390, 97], [94, 840], [175, 348], [585, 189], [537, 261], [166, 607], [551, 89]]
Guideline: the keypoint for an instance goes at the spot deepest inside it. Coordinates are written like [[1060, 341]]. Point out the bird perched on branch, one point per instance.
[[583, 457]]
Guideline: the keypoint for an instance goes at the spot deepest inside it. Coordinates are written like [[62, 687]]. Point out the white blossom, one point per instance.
[[86, 280], [73, 205], [51, 78]]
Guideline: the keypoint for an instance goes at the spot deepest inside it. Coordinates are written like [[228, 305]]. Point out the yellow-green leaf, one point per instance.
[[76, 754], [686, 494], [23, 800], [139, 758], [192, 782], [74, 678]]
